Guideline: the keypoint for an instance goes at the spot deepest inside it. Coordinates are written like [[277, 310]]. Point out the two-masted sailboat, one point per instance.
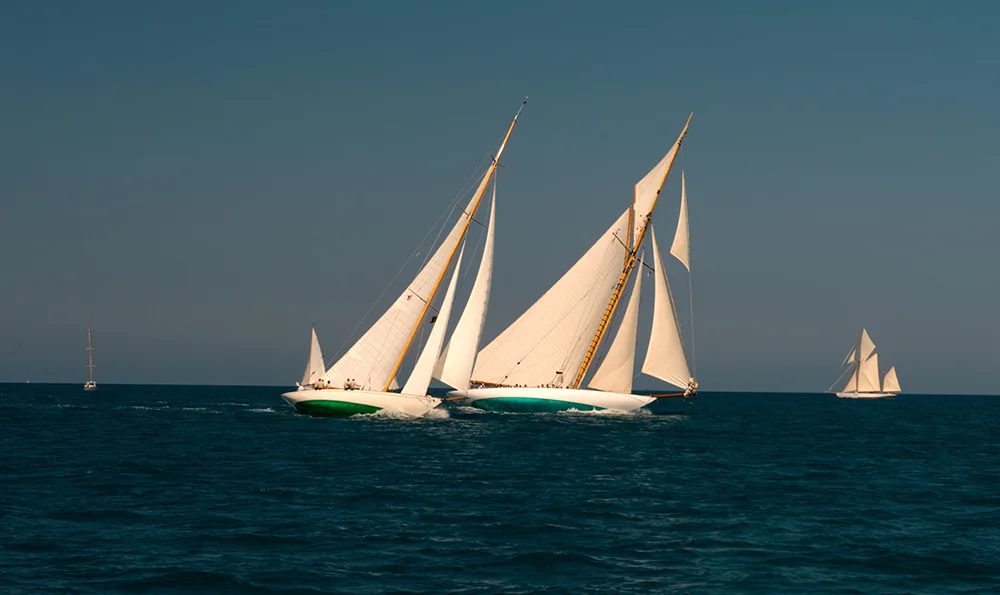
[[539, 363], [90, 384], [865, 381], [363, 381]]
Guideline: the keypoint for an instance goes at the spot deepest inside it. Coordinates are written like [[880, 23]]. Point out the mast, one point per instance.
[[90, 352], [630, 261], [458, 242]]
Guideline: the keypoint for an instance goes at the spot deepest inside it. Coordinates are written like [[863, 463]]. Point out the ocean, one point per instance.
[[203, 489]]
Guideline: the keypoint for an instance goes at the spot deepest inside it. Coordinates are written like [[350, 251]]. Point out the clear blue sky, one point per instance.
[[180, 171]]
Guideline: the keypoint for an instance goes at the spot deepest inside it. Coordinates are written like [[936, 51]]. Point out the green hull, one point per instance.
[[324, 408], [530, 405]]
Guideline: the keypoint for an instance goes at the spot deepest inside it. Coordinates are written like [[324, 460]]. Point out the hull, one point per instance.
[[345, 403], [90, 386], [856, 395], [549, 400]]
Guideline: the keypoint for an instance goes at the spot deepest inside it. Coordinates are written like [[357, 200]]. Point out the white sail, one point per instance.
[[867, 346], [665, 356], [868, 380], [647, 190], [454, 367], [371, 360], [850, 357], [852, 381], [890, 383], [617, 370], [681, 248], [314, 367], [420, 377], [547, 344]]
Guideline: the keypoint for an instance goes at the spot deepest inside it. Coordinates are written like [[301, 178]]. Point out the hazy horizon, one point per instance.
[[205, 182]]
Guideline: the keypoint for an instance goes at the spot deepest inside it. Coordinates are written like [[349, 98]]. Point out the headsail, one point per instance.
[[681, 248], [665, 356], [314, 367], [549, 341], [420, 377], [454, 367], [890, 383], [850, 357], [616, 372], [852, 381]]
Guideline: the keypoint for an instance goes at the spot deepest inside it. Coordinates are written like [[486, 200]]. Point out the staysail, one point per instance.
[[420, 377], [665, 355], [547, 343], [314, 367], [454, 367], [615, 373]]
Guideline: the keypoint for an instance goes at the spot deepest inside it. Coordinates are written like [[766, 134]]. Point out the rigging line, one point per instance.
[[849, 369]]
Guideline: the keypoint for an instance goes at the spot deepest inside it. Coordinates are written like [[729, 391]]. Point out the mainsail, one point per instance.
[[420, 377], [315, 367], [454, 367], [868, 380], [615, 373], [373, 361], [665, 355], [552, 337]]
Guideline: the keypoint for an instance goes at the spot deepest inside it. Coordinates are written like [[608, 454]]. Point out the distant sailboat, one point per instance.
[[360, 382], [90, 384], [864, 381], [538, 364]]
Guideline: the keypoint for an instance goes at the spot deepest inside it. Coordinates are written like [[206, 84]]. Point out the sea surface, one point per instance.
[[195, 489]]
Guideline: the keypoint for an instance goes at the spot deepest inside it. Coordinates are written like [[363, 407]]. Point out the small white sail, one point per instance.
[[617, 370], [547, 344], [454, 367], [890, 383], [852, 381], [665, 355], [420, 377], [681, 248], [867, 346], [850, 357], [868, 380], [315, 367]]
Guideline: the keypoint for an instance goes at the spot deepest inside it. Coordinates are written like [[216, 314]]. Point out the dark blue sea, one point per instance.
[[177, 489]]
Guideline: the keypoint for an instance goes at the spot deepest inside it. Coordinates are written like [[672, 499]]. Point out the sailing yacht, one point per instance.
[[362, 381], [863, 381], [539, 363], [90, 384]]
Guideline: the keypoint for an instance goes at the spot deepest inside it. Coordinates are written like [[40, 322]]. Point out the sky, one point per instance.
[[205, 181]]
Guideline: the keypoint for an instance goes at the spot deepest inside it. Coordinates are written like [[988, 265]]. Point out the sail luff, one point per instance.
[[420, 377], [641, 220], [455, 365], [470, 213]]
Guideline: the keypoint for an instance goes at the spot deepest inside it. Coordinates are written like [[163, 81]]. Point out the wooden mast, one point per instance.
[[630, 261], [468, 219]]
